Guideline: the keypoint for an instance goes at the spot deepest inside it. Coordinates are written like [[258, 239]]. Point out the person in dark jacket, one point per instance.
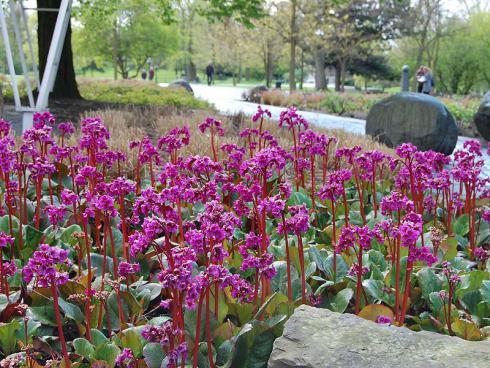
[[210, 73]]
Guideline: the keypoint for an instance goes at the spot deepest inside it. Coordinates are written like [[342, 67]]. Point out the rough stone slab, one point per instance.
[[319, 338]]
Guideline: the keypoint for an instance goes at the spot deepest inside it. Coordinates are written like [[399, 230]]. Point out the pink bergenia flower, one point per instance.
[[126, 359], [6, 240], [386, 320], [125, 269], [213, 125], [55, 214], [292, 119], [66, 128], [260, 114], [44, 266]]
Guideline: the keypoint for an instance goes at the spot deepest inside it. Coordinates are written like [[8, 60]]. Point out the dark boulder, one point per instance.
[[255, 94], [414, 118], [482, 117], [181, 83]]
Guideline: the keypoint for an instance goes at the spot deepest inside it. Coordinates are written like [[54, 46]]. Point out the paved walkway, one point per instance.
[[228, 100]]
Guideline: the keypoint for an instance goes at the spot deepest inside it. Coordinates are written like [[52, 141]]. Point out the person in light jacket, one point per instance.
[[425, 80]]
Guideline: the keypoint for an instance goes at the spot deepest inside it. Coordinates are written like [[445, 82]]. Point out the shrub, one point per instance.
[[124, 92], [462, 108], [137, 92]]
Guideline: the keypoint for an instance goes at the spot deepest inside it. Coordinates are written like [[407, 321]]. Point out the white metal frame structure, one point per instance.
[[44, 86]]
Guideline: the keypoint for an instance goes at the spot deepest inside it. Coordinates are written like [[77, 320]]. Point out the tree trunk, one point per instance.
[[268, 70], [337, 77], [292, 44], [320, 77], [190, 71], [343, 67], [65, 85], [302, 69], [115, 48]]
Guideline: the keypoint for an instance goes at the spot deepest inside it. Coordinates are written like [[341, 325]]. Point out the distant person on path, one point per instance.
[[143, 74], [210, 73], [151, 74], [425, 80]]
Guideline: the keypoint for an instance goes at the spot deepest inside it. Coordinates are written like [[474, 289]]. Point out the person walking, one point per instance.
[[425, 80], [151, 73], [143, 74], [210, 73]]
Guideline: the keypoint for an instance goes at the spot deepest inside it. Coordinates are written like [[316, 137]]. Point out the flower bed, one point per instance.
[[357, 104], [125, 92], [199, 260]]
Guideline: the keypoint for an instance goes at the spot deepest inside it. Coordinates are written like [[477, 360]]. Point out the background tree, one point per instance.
[[287, 24], [65, 84], [127, 37], [266, 44], [457, 48], [354, 26]]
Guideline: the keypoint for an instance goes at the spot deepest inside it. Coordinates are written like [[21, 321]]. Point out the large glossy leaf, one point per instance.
[[403, 271], [467, 330], [320, 258], [44, 314], [299, 198], [190, 322], [485, 291], [129, 304], [153, 355], [450, 248], [131, 338], [31, 239], [461, 226], [341, 300], [71, 310], [377, 258], [470, 301], [254, 344], [378, 290], [280, 280], [98, 337], [342, 268], [483, 233], [261, 350], [428, 282], [373, 311], [118, 241], [84, 348], [67, 234], [471, 281], [323, 286], [5, 224], [97, 262], [108, 353], [8, 341], [153, 290], [3, 302]]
